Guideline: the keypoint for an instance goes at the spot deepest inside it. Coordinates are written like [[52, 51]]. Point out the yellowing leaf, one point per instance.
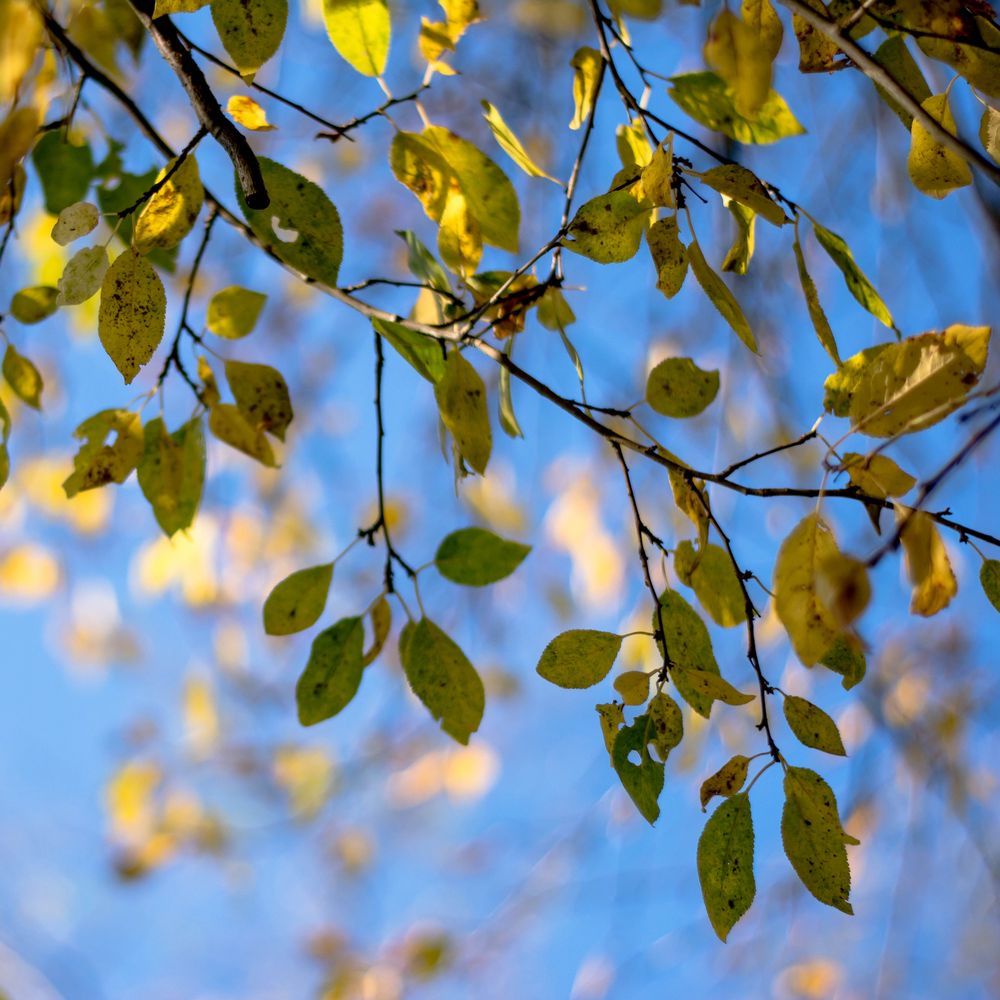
[[612, 719], [739, 255], [74, 221], [669, 255], [262, 396], [895, 57], [129, 801], [32, 305], [877, 475], [229, 424], [132, 313], [761, 18], [233, 312], [83, 276], [727, 781], [201, 715], [708, 686], [658, 175], [642, 781], [443, 679], [858, 285], [359, 30], [23, 377], [333, 673], [608, 228], [423, 353], [170, 213], [720, 296], [989, 131], [927, 563], [476, 557], [645, 9], [725, 864], [633, 686], [677, 387], [989, 578], [934, 168], [510, 143], [819, 321], [744, 186], [666, 724], [461, 400], [96, 463], [245, 111], [171, 472], [842, 586], [306, 775], [21, 33], [163, 7], [381, 617], [734, 50], [817, 53], [812, 726], [690, 648], [460, 240], [579, 658], [978, 63], [845, 658], [250, 30], [587, 65], [709, 572], [297, 601]]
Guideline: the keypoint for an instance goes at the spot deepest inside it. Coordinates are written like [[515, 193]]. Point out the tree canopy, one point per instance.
[[642, 346]]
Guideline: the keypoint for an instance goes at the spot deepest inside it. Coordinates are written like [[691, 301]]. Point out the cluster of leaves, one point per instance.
[[899, 387]]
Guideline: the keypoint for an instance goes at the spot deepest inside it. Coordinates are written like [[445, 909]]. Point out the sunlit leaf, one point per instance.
[[171, 472], [233, 312], [74, 221], [608, 228], [83, 276], [98, 463], [927, 563], [858, 285], [170, 213], [262, 396], [877, 475], [32, 305], [510, 143], [132, 313], [709, 572], [23, 377], [229, 424], [819, 321], [720, 296], [360, 30], [245, 111], [669, 255], [633, 686], [586, 64]]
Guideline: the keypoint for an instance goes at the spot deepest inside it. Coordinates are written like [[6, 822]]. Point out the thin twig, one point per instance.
[[174, 167]]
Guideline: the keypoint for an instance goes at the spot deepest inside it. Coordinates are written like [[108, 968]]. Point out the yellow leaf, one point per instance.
[[166, 7], [677, 387], [586, 64], [360, 30], [935, 169], [710, 573], [297, 601], [262, 396], [978, 63], [658, 175], [201, 715], [720, 296], [817, 53], [171, 212], [227, 423], [927, 563], [461, 399], [21, 34], [989, 131], [812, 726], [735, 51], [727, 781], [877, 475], [510, 143], [819, 321], [381, 619], [96, 463], [28, 573], [669, 255], [306, 775], [32, 305], [744, 186], [633, 686], [233, 312], [608, 228], [763, 21], [460, 240], [842, 586], [23, 377], [129, 801], [247, 112]]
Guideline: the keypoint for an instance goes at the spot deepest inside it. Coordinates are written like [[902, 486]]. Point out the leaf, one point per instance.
[[476, 557], [727, 781], [586, 64], [461, 400], [989, 131], [666, 724], [299, 206], [579, 658], [739, 255], [708, 687], [250, 31], [170, 213], [32, 305], [725, 864], [894, 56], [608, 229], [934, 168], [669, 255], [720, 296], [166, 7], [761, 18], [21, 32], [642, 781], [333, 672], [612, 719], [744, 186], [844, 659], [708, 100], [734, 50], [381, 616], [460, 240], [296, 602], [690, 646], [444, 680], [23, 377], [658, 176], [82, 276], [842, 586], [132, 313], [74, 221], [989, 578], [819, 321], [262, 396], [245, 111], [422, 263], [817, 53], [64, 169], [978, 63], [812, 726], [233, 312], [633, 686], [907, 386], [811, 625], [360, 30], [507, 416], [877, 475], [97, 463], [510, 143], [171, 473], [677, 387], [814, 839], [709, 572], [228, 423], [423, 353], [858, 285], [927, 563]]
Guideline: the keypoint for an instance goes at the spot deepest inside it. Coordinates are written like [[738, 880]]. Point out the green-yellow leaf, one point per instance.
[[333, 672], [297, 601], [32, 305], [812, 726], [360, 30], [381, 618], [877, 475], [819, 321], [658, 176], [510, 143], [423, 353], [262, 395], [744, 186], [233, 312], [633, 686], [690, 646], [170, 213], [642, 781], [579, 658], [725, 864], [708, 686], [727, 781], [858, 285], [461, 400], [978, 63], [82, 276], [250, 30], [734, 50], [97, 463], [608, 228], [927, 563], [845, 659], [612, 719], [761, 17], [677, 387], [74, 221], [894, 56], [720, 296], [669, 255], [476, 557], [989, 578], [460, 240], [171, 472], [739, 255], [587, 66], [934, 168], [23, 377], [666, 724], [709, 572], [166, 7], [229, 425]]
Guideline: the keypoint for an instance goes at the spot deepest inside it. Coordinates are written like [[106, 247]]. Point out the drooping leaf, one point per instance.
[[297, 601], [171, 472], [250, 31], [744, 186], [612, 719], [233, 312], [689, 646], [842, 586], [98, 463], [709, 572], [262, 396], [658, 176], [819, 321], [677, 387], [708, 687], [608, 229], [32, 305], [927, 563], [586, 64], [360, 31], [727, 781], [817, 52], [21, 33], [666, 724], [579, 658], [894, 56], [989, 578], [858, 285], [510, 143], [761, 17], [381, 618], [734, 50], [423, 353], [74, 221], [170, 213], [845, 659], [934, 168], [725, 864], [23, 377], [669, 255], [720, 296], [333, 672], [642, 781], [989, 131], [812, 726], [978, 63], [476, 557], [229, 424], [461, 399], [739, 255]]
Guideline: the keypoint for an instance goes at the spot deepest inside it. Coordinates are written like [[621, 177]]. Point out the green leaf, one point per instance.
[[844, 659], [727, 781], [579, 658], [131, 317], [608, 229], [858, 285], [461, 399], [725, 864], [666, 724], [989, 577], [934, 168], [262, 395], [710, 573], [297, 601], [360, 30], [812, 726], [250, 31], [744, 186], [642, 781], [814, 839], [677, 387], [32, 305], [171, 472], [64, 169], [233, 312], [476, 557], [23, 377], [443, 679], [423, 353], [669, 255], [74, 221], [690, 645], [894, 56], [422, 263], [333, 672], [298, 206], [171, 212], [819, 321], [510, 143], [708, 100], [720, 296]]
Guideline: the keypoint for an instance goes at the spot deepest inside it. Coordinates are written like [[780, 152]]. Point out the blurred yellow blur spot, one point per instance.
[[29, 573]]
